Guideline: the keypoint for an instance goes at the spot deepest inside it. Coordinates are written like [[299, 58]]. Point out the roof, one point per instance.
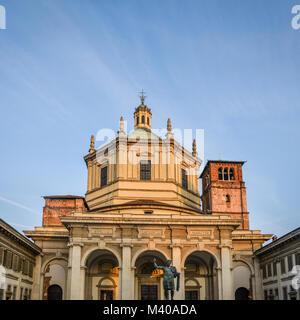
[[63, 197], [279, 242], [19, 237], [220, 161], [142, 134]]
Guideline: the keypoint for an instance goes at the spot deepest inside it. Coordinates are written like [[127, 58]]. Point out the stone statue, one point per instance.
[[170, 273]]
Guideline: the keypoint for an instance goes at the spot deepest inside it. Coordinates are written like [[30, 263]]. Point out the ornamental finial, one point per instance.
[[194, 148], [169, 126], [142, 97], [92, 145]]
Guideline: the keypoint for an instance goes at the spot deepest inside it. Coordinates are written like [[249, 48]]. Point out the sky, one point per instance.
[[69, 68]]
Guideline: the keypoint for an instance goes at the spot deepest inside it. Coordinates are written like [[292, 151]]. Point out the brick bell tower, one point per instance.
[[224, 191]]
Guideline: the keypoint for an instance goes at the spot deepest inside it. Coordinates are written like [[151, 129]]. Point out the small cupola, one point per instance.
[[142, 115]]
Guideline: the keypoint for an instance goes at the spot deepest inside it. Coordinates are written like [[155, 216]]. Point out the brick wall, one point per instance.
[[60, 206]]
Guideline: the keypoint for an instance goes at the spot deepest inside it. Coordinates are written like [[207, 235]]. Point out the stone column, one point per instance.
[[257, 290], [37, 279], [93, 176], [89, 179], [219, 295], [227, 281], [176, 261], [75, 292], [120, 283], [279, 285], [127, 282], [171, 165], [82, 282]]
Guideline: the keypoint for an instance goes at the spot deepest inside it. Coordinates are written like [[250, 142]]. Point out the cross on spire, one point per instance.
[[142, 97]]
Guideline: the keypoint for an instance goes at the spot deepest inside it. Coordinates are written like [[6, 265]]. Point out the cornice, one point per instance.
[[289, 237], [153, 219], [15, 236]]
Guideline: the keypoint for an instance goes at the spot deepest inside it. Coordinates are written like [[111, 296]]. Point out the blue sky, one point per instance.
[[69, 68]]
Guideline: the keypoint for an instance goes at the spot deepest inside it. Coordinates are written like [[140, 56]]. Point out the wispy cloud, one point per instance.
[[19, 205], [20, 225]]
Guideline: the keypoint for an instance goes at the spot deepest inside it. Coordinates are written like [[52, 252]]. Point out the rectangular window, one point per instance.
[[276, 292], [26, 267], [145, 170], [284, 293], [8, 292], [290, 263], [20, 265], [282, 264], [103, 176], [29, 294], [1, 256], [9, 260], [264, 271], [21, 294], [15, 262], [269, 270], [274, 269], [266, 295], [14, 295], [184, 179], [4, 257], [31, 270], [271, 293], [298, 259], [1, 294]]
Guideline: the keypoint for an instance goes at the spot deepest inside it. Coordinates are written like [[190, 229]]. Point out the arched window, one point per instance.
[[137, 120], [143, 119], [220, 173], [231, 174], [226, 174], [147, 121], [227, 198]]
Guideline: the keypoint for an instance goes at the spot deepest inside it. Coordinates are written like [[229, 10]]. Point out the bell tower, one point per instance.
[[142, 115], [224, 191]]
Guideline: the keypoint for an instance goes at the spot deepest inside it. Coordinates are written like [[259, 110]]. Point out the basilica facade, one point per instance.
[[143, 202]]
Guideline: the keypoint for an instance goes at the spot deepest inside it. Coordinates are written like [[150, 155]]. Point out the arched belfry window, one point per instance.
[[226, 174], [143, 119], [231, 174], [227, 198], [137, 120], [147, 121], [220, 173]]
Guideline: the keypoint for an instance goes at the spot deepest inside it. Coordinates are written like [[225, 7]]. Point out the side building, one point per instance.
[[280, 267], [17, 262]]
